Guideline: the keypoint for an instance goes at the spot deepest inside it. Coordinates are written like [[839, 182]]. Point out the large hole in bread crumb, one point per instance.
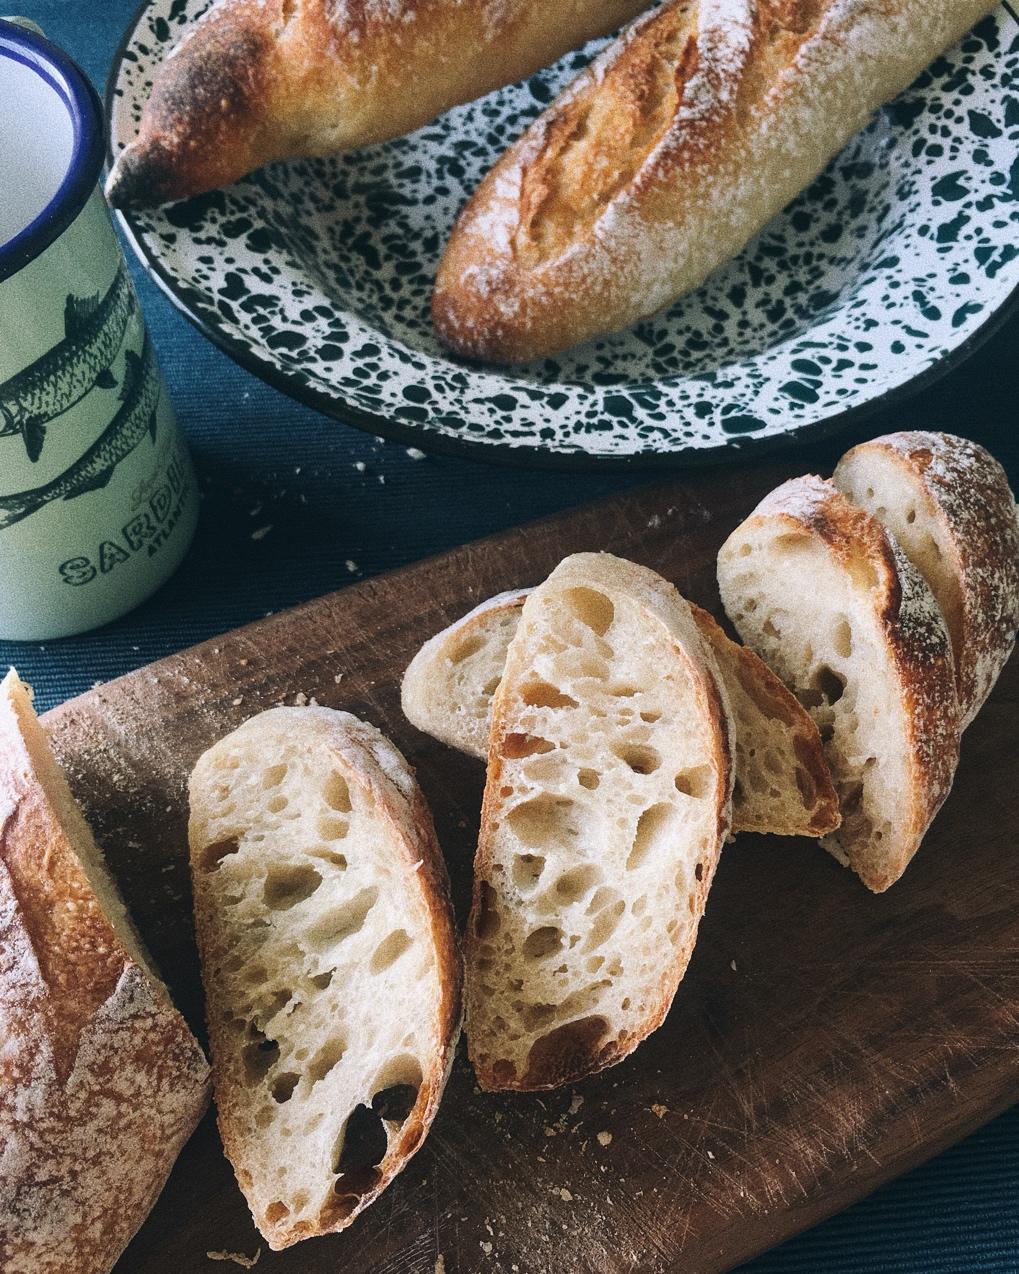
[[396, 1102], [588, 778], [604, 925], [652, 832], [470, 645], [213, 854], [842, 638], [828, 684], [283, 1086], [339, 861], [389, 951], [326, 1058], [543, 942], [362, 1145], [276, 1212], [592, 608], [259, 1055], [343, 921], [639, 757], [527, 869], [575, 884], [541, 694], [515, 746], [332, 828], [695, 782], [274, 776], [336, 793], [288, 884], [544, 820]]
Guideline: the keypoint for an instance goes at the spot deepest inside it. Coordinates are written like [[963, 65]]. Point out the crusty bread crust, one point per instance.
[[101, 1082], [972, 513], [659, 163], [368, 761], [915, 639], [259, 80], [582, 1047]]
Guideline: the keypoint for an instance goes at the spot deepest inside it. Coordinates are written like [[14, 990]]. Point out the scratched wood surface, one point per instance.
[[823, 1040]]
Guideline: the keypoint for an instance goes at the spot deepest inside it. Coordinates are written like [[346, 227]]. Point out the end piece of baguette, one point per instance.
[[826, 596], [608, 797], [947, 502], [329, 959], [101, 1081]]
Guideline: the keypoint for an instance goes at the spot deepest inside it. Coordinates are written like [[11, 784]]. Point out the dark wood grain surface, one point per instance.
[[823, 1040]]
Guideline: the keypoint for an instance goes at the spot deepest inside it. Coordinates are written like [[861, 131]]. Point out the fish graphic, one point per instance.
[[93, 332], [135, 417]]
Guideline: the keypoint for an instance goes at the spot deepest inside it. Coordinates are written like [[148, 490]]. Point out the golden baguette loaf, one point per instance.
[[659, 163], [101, 1081], [258, 80]]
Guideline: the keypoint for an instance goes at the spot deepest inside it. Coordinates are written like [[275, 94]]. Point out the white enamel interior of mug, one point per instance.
[[36, 144]]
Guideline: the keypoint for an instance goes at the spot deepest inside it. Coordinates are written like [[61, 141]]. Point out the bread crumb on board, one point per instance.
[[605, 1139], [238, 1258], [659, 1110], [440, 1264]]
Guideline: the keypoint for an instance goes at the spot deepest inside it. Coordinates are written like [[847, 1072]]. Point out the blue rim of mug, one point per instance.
[[85, 109]]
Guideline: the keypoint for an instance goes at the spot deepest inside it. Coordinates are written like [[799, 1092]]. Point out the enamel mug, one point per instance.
[[98, 500]]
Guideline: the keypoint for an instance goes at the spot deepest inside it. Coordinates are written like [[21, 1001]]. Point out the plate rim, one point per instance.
[[524, 455]]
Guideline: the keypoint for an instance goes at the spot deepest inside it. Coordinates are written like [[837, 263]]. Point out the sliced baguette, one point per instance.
[[101, 1082], [449, 685], [948, 504], [782, 786], [331, 972], [826, 596], [607, 800]]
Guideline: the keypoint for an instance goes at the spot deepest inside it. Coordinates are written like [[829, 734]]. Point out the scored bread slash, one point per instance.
[[827, 597], [783, 786], [329, 960], [101, 1081], [607, 799], [947, 502]]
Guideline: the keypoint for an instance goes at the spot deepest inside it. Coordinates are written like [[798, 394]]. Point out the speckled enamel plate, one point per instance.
[[317, 274]]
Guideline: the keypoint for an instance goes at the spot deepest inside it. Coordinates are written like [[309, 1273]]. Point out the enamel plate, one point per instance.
[[316, 275]]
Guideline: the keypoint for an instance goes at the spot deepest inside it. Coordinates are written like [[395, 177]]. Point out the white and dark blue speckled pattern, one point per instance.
[[318, 273]]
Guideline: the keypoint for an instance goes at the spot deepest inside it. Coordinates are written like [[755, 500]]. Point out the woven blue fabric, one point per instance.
[[263, 461]]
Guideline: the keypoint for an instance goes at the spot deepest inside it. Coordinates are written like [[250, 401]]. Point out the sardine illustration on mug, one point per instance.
[[98, 501]]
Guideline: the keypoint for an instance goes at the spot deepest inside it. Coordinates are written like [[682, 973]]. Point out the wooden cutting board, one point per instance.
[[823, 1040]]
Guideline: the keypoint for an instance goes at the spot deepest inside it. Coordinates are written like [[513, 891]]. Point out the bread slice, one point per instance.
[[782, 786], [101, 1082], [329, 959], [448, 687], [607, 800], [826, 596], [948, 504]]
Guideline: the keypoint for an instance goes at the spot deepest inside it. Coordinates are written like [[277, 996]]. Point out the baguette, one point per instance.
[[259, 80], [782, 785], [660, 162], [948, 504], [329, 960], [829, 600], [101, 1082], [607, 800]]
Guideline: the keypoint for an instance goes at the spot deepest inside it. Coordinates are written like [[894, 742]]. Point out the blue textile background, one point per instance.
[[263, 461]]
